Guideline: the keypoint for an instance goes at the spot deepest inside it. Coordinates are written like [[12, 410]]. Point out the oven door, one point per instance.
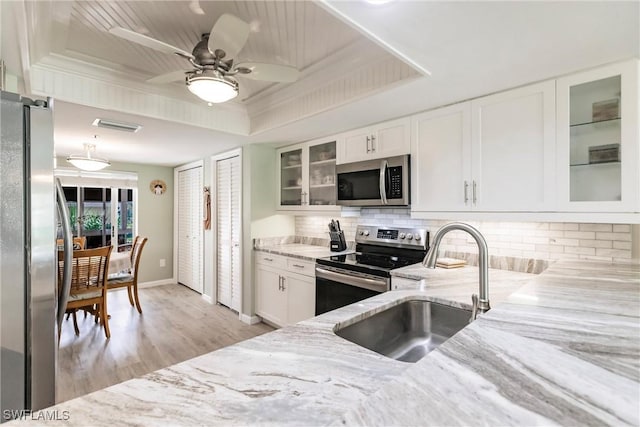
[[336, 287]]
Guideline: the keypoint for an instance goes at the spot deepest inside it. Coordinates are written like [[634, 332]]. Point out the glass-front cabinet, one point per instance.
[[307, 176], [291, 178], [598, 127], [322, 174]]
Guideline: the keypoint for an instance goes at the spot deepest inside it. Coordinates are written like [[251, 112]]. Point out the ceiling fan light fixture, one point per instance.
[[86, 162], [211, 86]]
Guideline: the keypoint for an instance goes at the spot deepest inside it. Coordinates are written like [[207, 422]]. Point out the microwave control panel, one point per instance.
[[395, 177]]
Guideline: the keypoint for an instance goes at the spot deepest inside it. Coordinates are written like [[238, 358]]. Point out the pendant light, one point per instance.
[[86, 162]]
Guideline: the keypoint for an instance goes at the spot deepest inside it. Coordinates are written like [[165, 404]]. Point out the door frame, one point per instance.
[[176, 170], [214, 221]]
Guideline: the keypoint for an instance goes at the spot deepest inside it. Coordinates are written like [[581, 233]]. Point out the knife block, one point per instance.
[[337, 242]]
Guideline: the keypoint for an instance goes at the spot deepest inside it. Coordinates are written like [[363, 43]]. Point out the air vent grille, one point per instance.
[[121, 126]]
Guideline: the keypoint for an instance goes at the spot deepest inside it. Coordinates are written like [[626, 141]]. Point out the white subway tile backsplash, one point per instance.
[[621, 228], [596, 227], [614, 236], [622, 245], [607, 244], [538, 240], [580, 234], [580, 250]]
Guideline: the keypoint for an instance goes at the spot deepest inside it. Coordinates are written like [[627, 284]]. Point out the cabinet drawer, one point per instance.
[[266, 258], [299, 266]]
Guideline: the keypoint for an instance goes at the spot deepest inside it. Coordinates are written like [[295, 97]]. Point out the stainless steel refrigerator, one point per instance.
[[30, 313]]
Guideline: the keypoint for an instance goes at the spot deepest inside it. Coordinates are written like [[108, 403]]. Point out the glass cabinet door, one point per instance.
[[595, 141], [598, 139], [291, 178], [322, 174]]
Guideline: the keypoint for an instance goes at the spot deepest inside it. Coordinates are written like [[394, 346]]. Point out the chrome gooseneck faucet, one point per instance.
[[480, 305]]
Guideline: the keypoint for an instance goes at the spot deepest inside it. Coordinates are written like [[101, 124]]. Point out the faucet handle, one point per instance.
[[474, 307]]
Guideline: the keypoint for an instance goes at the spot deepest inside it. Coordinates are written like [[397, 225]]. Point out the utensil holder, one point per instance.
[[337, 242]]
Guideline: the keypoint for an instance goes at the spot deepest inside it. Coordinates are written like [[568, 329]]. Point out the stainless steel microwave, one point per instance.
[[382, 182]]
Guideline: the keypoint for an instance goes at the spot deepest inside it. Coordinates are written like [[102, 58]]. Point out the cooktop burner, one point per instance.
[[381, 249]]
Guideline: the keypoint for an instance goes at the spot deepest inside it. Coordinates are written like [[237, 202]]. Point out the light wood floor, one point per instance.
[[176, 325]]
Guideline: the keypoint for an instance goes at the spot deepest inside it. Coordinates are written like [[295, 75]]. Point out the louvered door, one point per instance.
[[228, 232], [190, 228]]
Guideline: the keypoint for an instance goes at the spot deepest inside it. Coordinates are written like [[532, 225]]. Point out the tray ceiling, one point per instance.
[[298, 34]]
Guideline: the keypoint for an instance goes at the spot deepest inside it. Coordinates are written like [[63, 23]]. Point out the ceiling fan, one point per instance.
[[212, 59]]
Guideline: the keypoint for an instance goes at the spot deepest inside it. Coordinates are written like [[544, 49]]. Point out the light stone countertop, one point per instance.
[[302, 251], [563, 349]]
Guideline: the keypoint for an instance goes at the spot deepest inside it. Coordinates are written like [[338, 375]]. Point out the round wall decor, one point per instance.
[[158, 187]]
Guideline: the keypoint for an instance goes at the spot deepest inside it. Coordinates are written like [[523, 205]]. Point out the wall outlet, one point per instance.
[[163, 262]]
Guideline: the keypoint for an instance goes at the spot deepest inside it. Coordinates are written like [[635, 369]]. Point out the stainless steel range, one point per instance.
[[344, 279]]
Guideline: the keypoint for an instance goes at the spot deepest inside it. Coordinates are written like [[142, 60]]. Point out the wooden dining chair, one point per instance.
[[129, 280], [89, 271]]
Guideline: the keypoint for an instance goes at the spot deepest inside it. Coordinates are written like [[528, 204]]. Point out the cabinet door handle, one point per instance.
[[298, 265], [283, 288], [373, 143], [475, 198], [268, 259], [368, 142], [466, 192], [279, 283]]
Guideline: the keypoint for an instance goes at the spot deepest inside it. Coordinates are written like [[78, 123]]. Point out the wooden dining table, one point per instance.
[[119, 262]]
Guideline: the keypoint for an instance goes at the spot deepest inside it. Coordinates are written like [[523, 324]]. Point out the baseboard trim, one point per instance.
[[156, 283], [207, 298], [250, 320]]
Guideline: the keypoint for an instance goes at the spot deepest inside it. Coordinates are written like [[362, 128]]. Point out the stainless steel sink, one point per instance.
[[407, 331]]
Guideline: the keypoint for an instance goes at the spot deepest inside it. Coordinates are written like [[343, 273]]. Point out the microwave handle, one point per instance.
[[383, 182]]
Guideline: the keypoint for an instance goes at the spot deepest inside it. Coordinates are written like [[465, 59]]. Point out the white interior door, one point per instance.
[[228, 232], [190, 228]]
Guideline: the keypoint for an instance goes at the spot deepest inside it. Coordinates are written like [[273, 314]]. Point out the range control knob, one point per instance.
[[409, 236], [366, 232], [361, 232], [418, 237], [402, 235]]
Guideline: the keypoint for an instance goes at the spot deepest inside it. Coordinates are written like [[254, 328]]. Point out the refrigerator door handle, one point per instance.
[[67, 238]]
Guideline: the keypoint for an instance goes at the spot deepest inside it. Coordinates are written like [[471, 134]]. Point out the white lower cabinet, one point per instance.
[[285, 289]]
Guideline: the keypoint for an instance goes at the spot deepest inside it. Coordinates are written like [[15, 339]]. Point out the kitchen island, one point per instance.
[[563, 348]]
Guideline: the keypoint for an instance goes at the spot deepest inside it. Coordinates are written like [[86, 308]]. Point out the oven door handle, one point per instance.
[[358, 281], [383, 182]]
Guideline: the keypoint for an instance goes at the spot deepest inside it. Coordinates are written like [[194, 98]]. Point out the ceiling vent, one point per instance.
[[121, 126]]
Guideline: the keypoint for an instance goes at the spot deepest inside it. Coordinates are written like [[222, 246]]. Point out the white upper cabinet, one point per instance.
[[440, 159], [495, 153], [374, 142], [307, 176], [513, 150], [598, 130]]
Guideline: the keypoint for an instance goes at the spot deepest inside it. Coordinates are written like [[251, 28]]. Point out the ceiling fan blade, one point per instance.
[[229, 33], [174, 76], [147, 41], [269, 72]]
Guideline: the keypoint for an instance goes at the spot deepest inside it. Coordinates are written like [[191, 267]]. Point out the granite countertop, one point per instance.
[[301, 251], [502, 283], [564, 348]]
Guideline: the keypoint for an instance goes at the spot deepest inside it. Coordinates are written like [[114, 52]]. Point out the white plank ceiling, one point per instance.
[[297, 34]]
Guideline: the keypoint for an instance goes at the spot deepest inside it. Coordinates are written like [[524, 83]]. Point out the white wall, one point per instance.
[[539, 240]]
